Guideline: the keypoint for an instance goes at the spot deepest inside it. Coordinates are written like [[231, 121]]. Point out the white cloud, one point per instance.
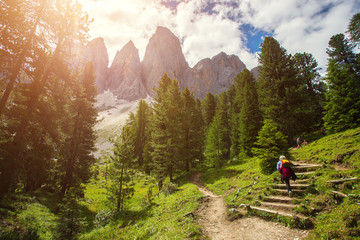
[[299, 26]]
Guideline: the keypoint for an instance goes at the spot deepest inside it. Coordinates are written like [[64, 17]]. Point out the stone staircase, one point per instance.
[[279, 202]]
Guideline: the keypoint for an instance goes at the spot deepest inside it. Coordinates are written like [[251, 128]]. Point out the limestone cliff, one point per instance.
[[125, 74]]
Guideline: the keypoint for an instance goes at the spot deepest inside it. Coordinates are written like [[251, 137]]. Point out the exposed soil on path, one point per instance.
[[212, 216]]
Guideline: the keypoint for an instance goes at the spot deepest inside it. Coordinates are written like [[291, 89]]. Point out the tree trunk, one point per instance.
[[171, 173]]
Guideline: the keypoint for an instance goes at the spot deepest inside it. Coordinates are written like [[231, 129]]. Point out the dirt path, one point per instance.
[[212, 216]]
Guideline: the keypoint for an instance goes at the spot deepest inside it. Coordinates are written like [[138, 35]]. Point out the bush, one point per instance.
[[103, 217], [270, 144]]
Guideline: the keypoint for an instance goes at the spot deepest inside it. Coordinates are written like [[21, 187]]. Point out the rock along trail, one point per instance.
[[212, 216]]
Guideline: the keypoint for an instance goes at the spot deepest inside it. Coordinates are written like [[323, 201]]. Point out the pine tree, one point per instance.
[[280, 91], [166, 137], [215, 146], [123, 161], [223, 110], [342, 109], [192, 129], [77, 153], [270, 144], [142, 124], [208, 108], [311, 93], [236, 101], [354, 29], [41, 54], [249, 117]]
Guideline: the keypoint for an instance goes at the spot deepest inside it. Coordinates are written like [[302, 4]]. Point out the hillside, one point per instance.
[[332, 208], [174, 212]]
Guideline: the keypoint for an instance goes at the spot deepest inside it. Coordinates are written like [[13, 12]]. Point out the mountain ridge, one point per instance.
[[131, 79]]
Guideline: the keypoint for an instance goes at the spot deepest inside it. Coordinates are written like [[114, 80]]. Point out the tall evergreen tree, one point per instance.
[[279, 89], [78, 147], [342, 109], [223, 110], [142, 123], [123, 162], [208, 108], [270, 144], [354, 29], [166, 137], [236, 101], [311, 93], [193, 130], [249, 117], [41, 56], [215, 146]]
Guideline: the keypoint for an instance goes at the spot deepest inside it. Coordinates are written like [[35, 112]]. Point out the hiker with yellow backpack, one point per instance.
[[284, 167]]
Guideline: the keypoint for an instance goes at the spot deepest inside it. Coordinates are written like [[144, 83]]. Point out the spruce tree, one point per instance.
[[223, 110], [78, 146], [166, 137], [311, 93], [123, 161], [208, 108], [342, 109], [236, 99], [270, 144], [280, 91], [141, 125], [215, 146], [249, 117], [354, 29], [192, 129]]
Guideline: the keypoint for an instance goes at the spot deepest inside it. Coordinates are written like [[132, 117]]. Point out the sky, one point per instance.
[[206, 28]]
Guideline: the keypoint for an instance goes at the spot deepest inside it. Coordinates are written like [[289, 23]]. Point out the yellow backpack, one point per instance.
[[285, 163]]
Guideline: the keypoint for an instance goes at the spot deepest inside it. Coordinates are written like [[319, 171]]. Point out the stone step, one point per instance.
[[281, 199], [306, 180], [305, 168], [279, 206], [278, 212], [293, 186], [284, 192]]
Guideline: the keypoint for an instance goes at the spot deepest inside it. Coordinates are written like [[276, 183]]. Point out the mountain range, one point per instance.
[[130, 79]]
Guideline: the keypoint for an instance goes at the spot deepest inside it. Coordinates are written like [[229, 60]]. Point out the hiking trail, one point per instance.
[[212, 217]]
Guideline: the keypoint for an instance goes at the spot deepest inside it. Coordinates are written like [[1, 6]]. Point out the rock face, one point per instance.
[[163, 55], [95, 51], [130, 79], [215, 75], [125, 74]]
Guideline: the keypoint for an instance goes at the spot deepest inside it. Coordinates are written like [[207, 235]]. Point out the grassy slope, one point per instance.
[[335, 217], [166, 217]]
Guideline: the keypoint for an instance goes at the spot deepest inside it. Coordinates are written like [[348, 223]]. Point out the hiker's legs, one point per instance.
[[287, 182]]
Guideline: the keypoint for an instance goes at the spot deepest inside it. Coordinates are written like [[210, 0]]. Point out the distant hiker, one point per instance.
[[298, 142], [323, 131], [304, 143], [286, 172]]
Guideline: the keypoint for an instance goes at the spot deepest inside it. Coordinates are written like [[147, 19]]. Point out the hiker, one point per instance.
[[323, 131], [304, 143], [298, 142], [286, 172]]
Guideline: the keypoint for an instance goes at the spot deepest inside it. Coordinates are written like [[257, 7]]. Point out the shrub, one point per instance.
[[270, 144]]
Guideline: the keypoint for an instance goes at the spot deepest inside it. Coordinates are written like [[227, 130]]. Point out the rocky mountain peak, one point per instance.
[[95, 51], [125, 74], [130, 79], [163, 55]]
